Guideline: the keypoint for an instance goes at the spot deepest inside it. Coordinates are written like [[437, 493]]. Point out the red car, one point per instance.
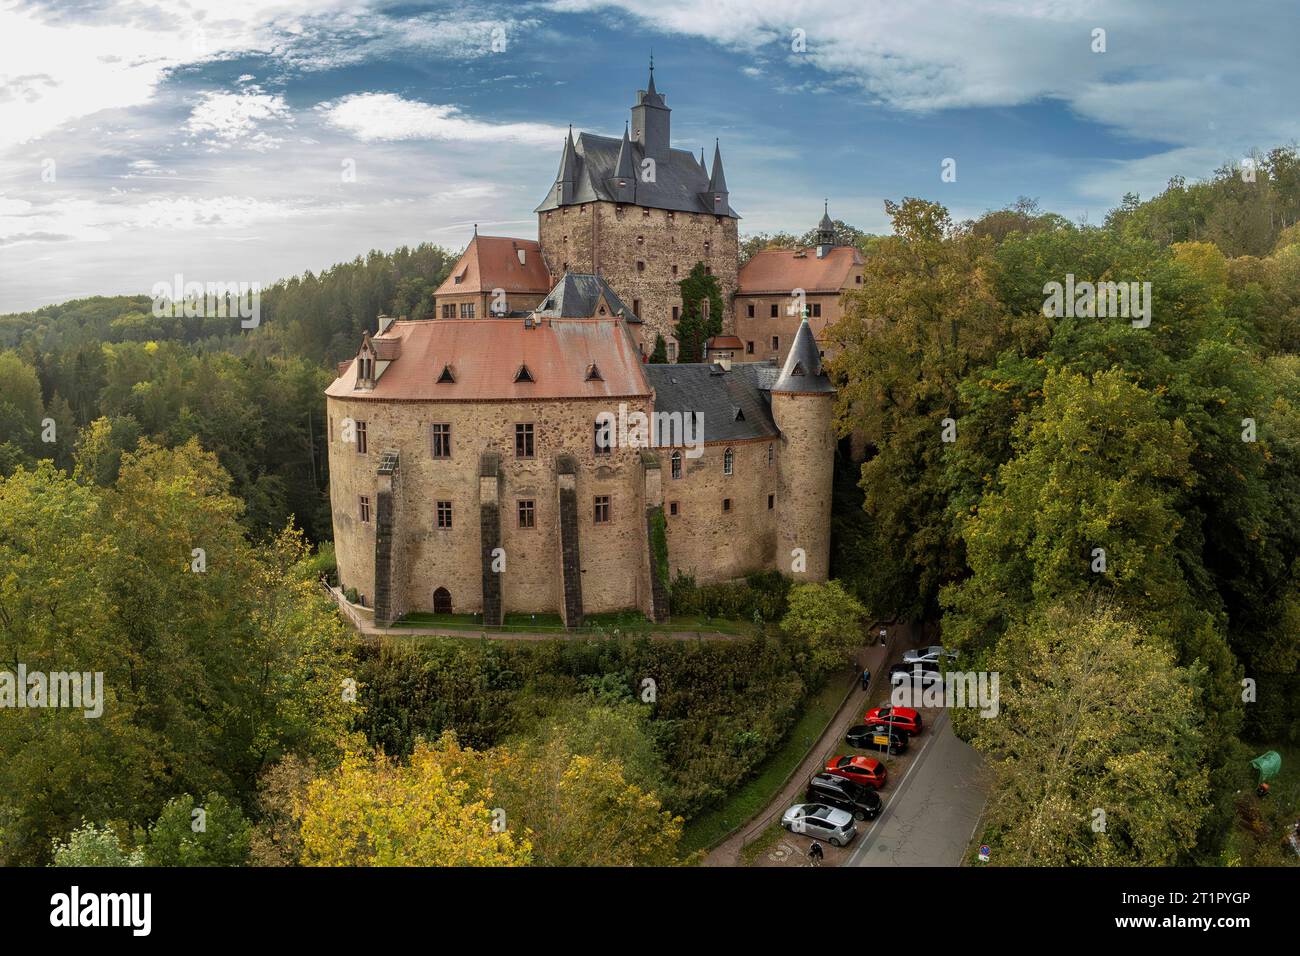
[[867, 771], [904, 718]]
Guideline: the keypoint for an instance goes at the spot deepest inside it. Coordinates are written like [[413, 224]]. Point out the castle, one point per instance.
[[517, 453]]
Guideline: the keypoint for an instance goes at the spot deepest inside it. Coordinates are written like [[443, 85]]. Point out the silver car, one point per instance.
[[821, 822], [928, 655]]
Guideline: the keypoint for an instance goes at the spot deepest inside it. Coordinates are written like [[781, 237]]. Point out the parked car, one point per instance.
[[925, 672], [877, 737], [904, 718], [930, 654], [843, 794], [821, 822], [867, 771]]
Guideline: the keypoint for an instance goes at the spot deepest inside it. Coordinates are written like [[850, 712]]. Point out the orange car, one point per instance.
[[867, 771], [903, 718]]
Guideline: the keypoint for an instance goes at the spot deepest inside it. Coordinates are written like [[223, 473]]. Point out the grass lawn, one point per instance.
[[552, 623], [711, 826], [1259, 825]]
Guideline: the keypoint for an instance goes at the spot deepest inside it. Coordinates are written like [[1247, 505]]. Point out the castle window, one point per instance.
[[640, 265], [672, 351], [524, 440], [704, 309], [775, 310], [523, 375], [440, 439], [671, 216], [708, 270], [677, 464], [566, 238], [467, 310], [527, 513], [816, 310], [672, 509], [771, 502], [601, 509], [749, 310], [728, 462], [858, 279], [726, 504], [449, 310], [636, 308], [364, 509], [640, 240], [602, 440], [645, 213], [361, 438], [706, 245], [749, 348], [776, 343], [771, 453], [444, 514], [676, 312], [566, 267]]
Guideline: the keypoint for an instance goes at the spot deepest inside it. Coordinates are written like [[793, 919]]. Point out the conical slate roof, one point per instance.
[[623, 168], [803, 366], [717, 182]]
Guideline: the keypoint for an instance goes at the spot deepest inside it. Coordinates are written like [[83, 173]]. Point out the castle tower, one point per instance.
[[803, 402], [650, 121], [825, 233]]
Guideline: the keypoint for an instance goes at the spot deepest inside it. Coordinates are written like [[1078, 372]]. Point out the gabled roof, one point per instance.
[[492, 262], [779, 271], [678, 183], [487, 355], [578, 295], [802, 371], [731, 401]]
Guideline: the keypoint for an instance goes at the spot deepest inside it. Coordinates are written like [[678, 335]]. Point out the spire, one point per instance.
[[475, 230], [825, 231], [650, 88], [717, 181], [703, 165], [826, 223], [623, 168], [802, 371], [568, 160]]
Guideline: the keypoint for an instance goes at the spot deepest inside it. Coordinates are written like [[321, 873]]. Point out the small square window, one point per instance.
[[365, 509], [601, 509], [674, 270], [672, 509], [817, 310], [640, 265], [527, 513], [444, 514]]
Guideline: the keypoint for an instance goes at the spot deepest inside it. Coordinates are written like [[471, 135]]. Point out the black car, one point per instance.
[[844, 794], [877, 737]]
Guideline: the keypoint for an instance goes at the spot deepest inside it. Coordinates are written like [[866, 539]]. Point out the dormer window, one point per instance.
[[593, 373], [798, 369], [447, 377], [728, 462], [523, 375]]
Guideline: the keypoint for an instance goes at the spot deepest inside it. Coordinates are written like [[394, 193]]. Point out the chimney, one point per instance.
[[522, 257], [724, 359]]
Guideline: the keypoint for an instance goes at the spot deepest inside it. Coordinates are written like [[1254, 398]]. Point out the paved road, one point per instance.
[[931, 815]]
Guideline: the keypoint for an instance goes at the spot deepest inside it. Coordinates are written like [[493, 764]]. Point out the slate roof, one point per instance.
[[678, 183], [718, 395], [802, 371], [577, 295]]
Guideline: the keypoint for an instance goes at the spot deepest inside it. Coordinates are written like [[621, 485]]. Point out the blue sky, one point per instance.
[[144, 138]]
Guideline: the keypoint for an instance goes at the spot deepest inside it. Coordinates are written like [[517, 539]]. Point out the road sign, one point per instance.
[[984, 853]]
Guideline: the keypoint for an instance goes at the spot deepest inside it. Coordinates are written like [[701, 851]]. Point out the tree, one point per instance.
[[828, 618], [659, 355], [373, 811], [1097, 750], [702, 312], [186, 834], [90, 845]]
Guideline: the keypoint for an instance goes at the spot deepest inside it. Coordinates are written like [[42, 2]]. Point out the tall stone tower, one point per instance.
[[803, 401]]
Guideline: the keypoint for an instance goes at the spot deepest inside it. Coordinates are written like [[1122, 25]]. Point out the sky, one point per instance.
[[246, 141]]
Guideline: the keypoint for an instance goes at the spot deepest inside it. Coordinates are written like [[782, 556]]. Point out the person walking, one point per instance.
[[816, 854], [866, 677]]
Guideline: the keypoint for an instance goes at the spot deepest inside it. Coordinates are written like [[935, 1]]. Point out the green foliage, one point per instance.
[[659, 356], [761, 596], [214, 833], [698, 322], [659, 542], [90, 845], [829, 619]]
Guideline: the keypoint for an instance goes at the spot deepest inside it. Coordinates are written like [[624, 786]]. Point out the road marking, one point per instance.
[[862, 842]]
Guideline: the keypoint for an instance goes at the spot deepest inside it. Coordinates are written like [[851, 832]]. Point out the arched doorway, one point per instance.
[[441, 601]]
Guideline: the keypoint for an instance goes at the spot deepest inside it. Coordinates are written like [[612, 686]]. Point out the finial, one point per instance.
[[476, 230]]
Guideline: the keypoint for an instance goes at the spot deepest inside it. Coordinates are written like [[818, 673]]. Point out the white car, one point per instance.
[[821, 822], [928, 655]]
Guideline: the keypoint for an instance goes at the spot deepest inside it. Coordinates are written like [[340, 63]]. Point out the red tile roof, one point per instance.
[[724, 343], [492, 262], [778, 271], [485, 356]]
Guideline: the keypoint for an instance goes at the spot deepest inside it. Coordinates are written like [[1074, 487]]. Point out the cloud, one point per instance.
[[223, 120], [386, 116]]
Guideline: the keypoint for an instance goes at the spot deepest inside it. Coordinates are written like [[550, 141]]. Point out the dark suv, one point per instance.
[[843, 794], [877, 737]]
